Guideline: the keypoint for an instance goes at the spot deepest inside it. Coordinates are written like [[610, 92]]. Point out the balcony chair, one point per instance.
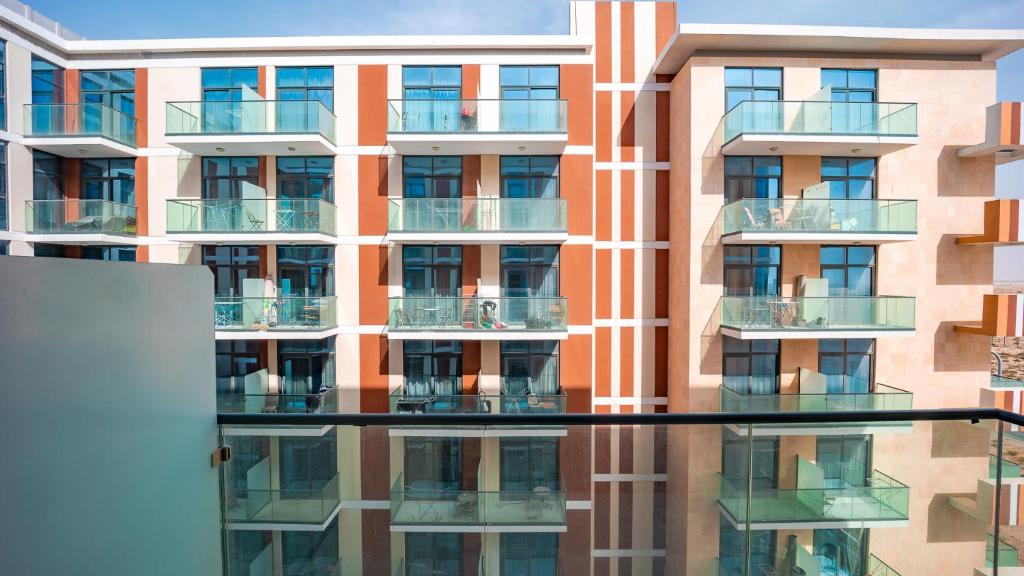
[[255, 224], [754, 222]]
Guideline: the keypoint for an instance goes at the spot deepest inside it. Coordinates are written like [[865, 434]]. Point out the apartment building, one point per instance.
[[507, 224]]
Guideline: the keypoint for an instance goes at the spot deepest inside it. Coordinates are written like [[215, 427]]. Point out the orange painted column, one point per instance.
[[142, 162], [72, 94]]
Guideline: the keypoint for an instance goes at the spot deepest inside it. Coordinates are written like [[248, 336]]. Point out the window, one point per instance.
[[305, 270], [529, 554], [432, 270], [433, 99], [432, 176], [850, 270], [306, 366], [528, 367], [47, 84], [433, 466], [47, 176], [528, 463], [307, 83], [846, 460], [230, 266], [226, 84], [735, 458], [5, 246], [752, 177], [224, 177], [732, 548], [433, 368], [851, 85], [305, 177], [246, 452], [112, 88], [529, 176], [750, 366], [847, 365], [108, 253], [529, 98], [841, 551], [243, 547], [236, 359], [3, 182], [529, 271], [431, 553], [752, 270], [752, 84], [3, 85], [307, 551], [849, 177], [307, 464], [110, 179]]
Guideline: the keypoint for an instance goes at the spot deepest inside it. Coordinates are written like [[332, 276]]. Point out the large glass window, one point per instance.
[[529, 271], [752, 84], [223, 176], [432, 99], [108, 253], [736, 455], [529, 84], [47, 83], [849, 177], [529, 463], [850, 270], [305, 270], [851, 85], [841, 551], [305, 177], [846, 460], [529, 554], [752, 270], [433, 467], [225, 84], [529, 176], [306, 366], [236, 359], [432, 176], [111, 179], [529, 367], [306, 83], [5, 247], [432, 367], [847, 365], [307, 464], [433, 553], [114, 88], [308, 552], [732, 550], [750, 366], [752, 177], [230, 266], [432, 270], [47, 176]]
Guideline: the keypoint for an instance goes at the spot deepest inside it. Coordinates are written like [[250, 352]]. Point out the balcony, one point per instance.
[[478, 126], [87, 130], [252, 221], [325, 402], [884, 502], [776, 317], [1003, 123], [882, 398], [429, 510], [477, 318], [798, 558], [277, 318], [284, 509], [251, 128], [477, 220], [416, 401], [818, 221], [1002, 224], [1002, 315], [818, 128], [86, 222]]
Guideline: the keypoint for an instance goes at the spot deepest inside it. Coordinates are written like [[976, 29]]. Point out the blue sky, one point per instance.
[[190, 18]]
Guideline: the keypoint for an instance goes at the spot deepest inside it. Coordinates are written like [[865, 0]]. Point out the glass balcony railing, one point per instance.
[[325, 402], [1009, 556], [825, 216], [476, 314], [285, 313], [256, 216], [250, 117], [1010, 470], [422, 506], [90, 119], [413, 400], [820, 119], [1006, 382], [281, 506], [827, 313], [878, 568], [882, 398], [477, 116], [477, 214], [882, 499], [71, 216]]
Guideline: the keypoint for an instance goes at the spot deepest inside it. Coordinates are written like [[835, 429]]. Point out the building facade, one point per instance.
[[639, 216]]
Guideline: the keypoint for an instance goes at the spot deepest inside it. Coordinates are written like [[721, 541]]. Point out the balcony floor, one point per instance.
[[462, 143], [479, 334], [287, 514], [271, 144], [81, 239], [476, 238], [276, 334], [80, 146], [845, 429], [837, 331], [779, 514], [815, 145], [447, 516], [250, 238], [815, 238]]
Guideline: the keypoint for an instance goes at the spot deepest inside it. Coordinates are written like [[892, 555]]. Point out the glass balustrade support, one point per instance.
[[284, 313], [413, 506], [443, 116], [478, 316], [250, 117], [281, 506], [755, 317], [881, 398], [418, 401], [73, 216], [809, 118], [256, 217], [476, 215], [782, 220], [87, 119], [325, 402]]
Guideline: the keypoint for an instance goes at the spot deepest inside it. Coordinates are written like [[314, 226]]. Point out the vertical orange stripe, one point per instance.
[[373, 372], [470, 81], [373, 104], [661, 205], [576, 87], [72, 86], [664, 24], [603, 126], [625, 362], [603, 41], [261, 81], [627, 31], [661, 361], [603, 278], [575, 263], [1014, 206], [575, 373], [576, 185], [602, 362], [470, 174], [661, 283], [373, 194], [627, 131], [141, 107], [626, 272], [1010, 312], [142, 195], [661, 113], [627, 206], [373, 284], [603, 199], [142, 254], [470, 365], [1015, 123]]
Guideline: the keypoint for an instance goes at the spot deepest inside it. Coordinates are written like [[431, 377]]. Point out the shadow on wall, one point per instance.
[[947, 524], [711, 343], [959, 352], [712, 254], [963, 265], [964, 177], [958, 439]]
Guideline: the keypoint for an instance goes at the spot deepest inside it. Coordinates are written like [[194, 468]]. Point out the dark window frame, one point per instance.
[[748, 355], [845, 266], [752, 176], [753, 87]]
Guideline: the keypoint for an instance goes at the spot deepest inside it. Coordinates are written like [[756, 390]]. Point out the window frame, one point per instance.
[[753, 87]]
